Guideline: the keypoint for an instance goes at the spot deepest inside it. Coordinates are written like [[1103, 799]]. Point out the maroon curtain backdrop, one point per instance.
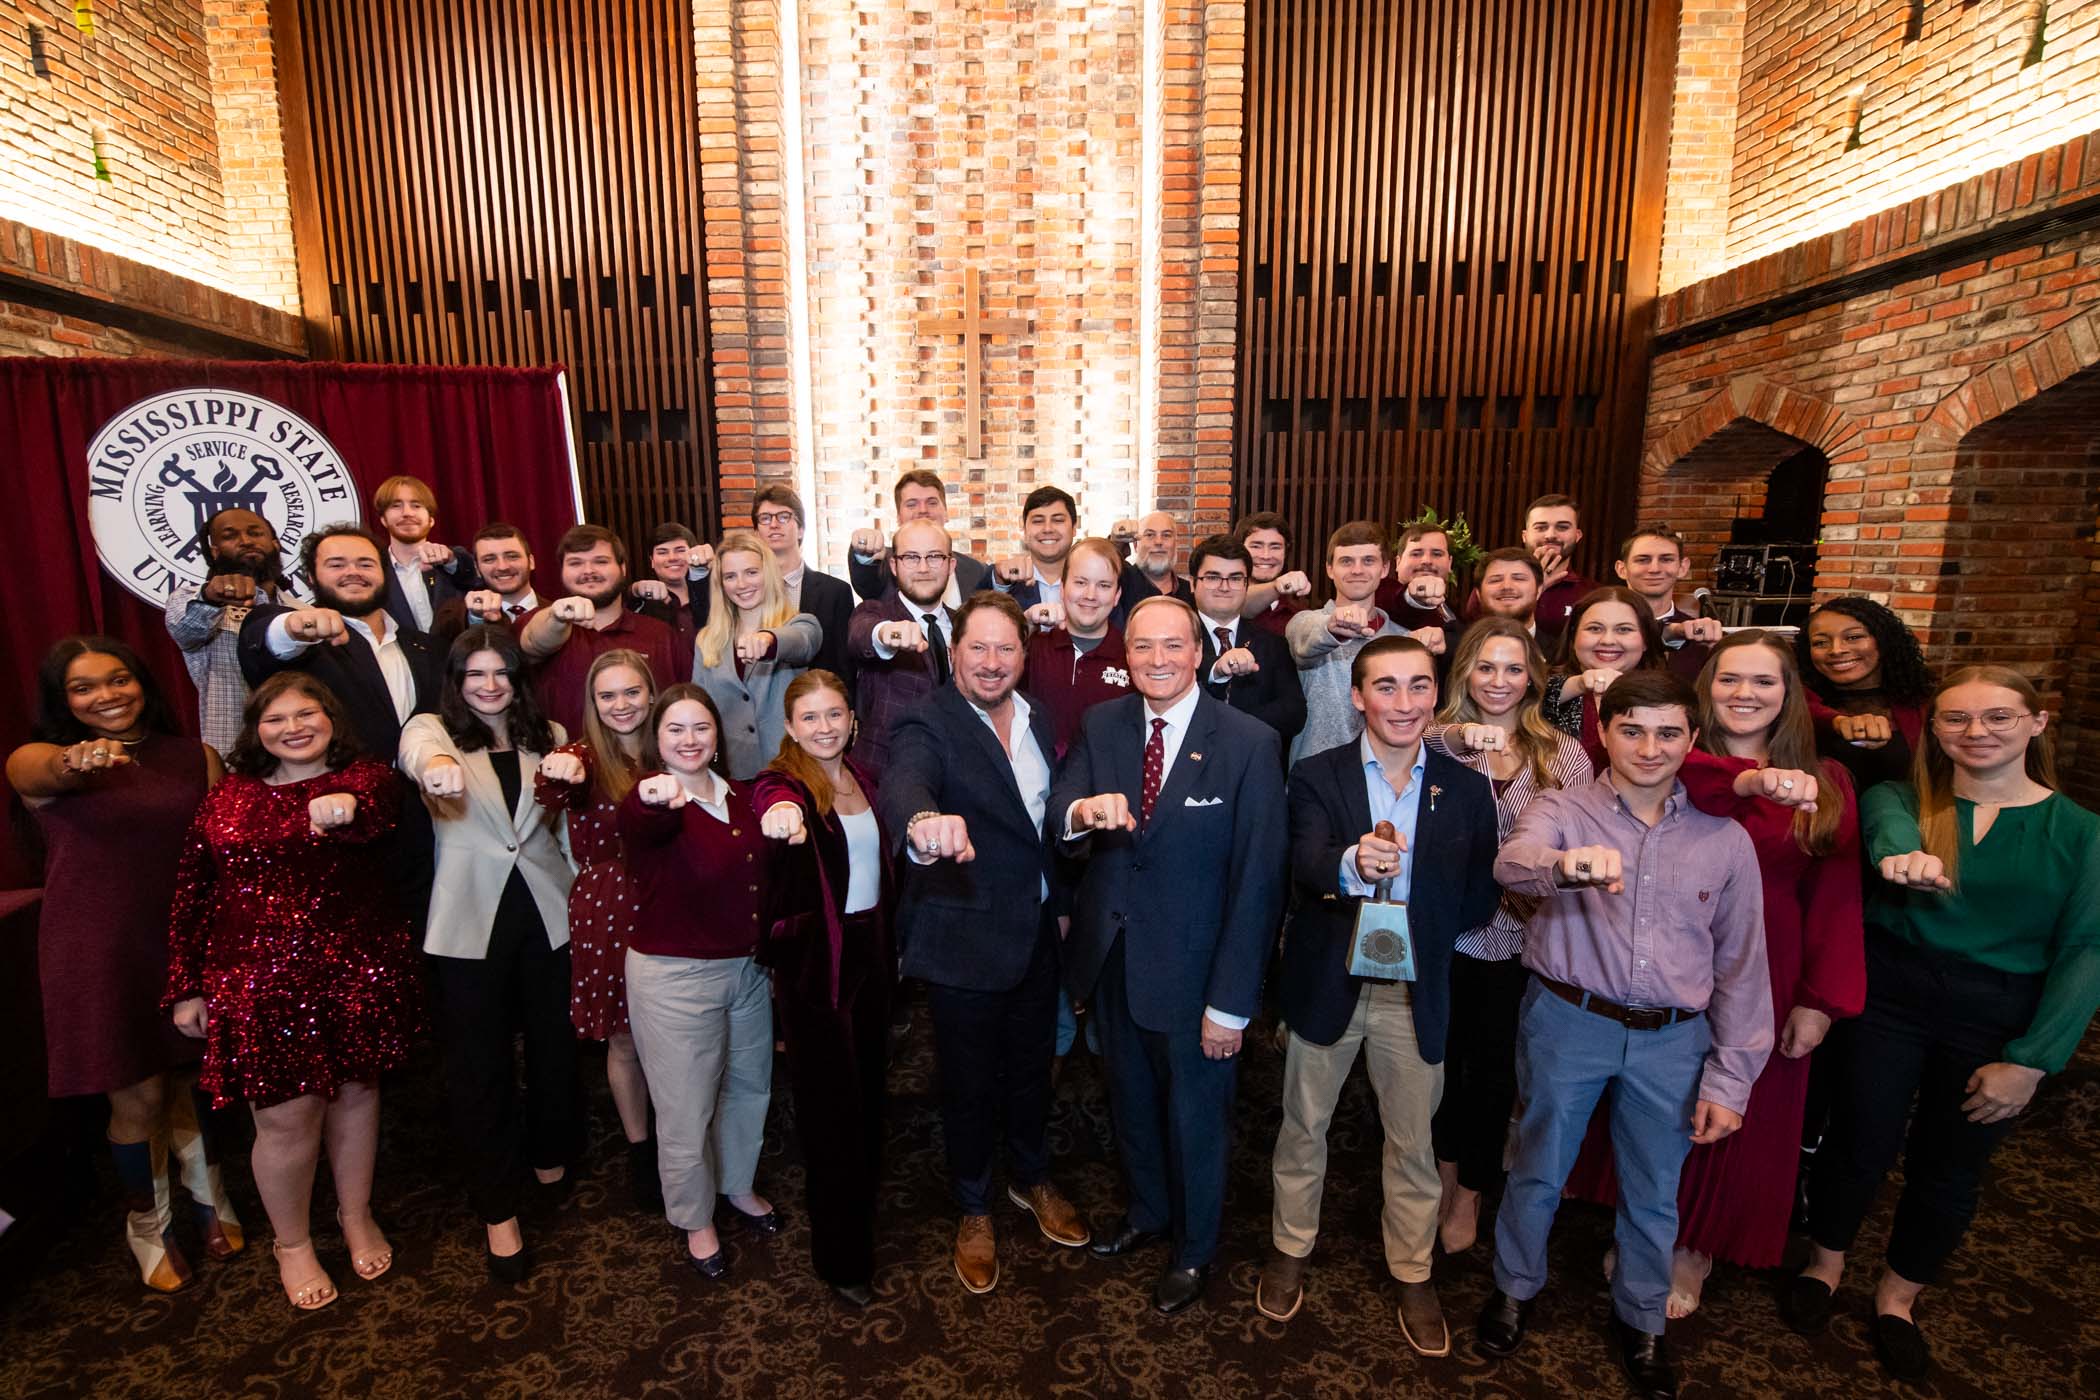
[[491, 443]]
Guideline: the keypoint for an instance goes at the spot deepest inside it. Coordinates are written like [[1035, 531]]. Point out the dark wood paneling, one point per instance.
[[515, 182], [1451, 239]]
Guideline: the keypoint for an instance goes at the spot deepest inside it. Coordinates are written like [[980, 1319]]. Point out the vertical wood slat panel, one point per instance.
[[1440, 141], [507, 145]]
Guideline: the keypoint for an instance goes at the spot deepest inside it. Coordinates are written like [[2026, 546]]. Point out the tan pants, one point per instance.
[[1408, 1092]]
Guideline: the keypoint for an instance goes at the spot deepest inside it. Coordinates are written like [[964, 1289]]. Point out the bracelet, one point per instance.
[[916, 818]]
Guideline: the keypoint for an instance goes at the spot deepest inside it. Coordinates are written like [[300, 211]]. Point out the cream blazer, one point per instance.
[[479, 843]]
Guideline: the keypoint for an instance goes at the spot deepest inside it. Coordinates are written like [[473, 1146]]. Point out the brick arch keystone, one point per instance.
[[2025, 374], [1803, 417]]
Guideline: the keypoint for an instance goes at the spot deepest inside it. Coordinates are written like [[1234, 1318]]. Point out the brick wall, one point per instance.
[[1702, 141]]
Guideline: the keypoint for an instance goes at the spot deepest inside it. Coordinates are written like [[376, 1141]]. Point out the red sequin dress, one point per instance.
[[311, 977], [602, 905]]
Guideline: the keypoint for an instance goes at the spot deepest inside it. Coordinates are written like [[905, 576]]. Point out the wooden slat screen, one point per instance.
[[1451, 240], [515, 182]]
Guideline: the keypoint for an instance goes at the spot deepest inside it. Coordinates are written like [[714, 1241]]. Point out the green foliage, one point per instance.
[[1464, 552]]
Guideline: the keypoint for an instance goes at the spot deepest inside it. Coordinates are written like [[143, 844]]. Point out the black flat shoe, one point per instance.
[[509, 1268], [1123, 1239], [1901, 1347], [1500, 1329], [1178, 1288], [769, 1224], [1805, 1305], [853, 1295], [715, 1266], [1647, 1359]]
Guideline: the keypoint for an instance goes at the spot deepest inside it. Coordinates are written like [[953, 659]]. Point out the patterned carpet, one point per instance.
[[609, 1311]]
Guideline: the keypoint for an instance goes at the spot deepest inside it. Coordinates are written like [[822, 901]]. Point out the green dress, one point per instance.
[[2027, 901]]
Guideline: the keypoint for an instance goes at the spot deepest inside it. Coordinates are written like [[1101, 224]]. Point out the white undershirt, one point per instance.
[[863, 860]]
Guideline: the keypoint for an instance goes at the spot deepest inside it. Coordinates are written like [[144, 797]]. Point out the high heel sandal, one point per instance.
[[367, 1263], [316, 1290]]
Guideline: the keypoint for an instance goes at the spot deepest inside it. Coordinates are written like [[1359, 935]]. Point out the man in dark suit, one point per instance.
[[920, 494], [1244, 665], [777, 515], [1148, 569], [382, 672], [967, 784], [426, 575], [901, 643], [1175, 801], [1437, 861]]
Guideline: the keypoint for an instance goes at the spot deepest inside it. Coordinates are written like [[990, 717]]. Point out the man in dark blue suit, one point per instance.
[[1176, 802], [1381, 812], [968, 785], [1248, 668]]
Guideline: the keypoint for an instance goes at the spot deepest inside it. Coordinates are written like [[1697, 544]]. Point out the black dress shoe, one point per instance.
[[1901, 1347], [1805, 1305], [768, 1224], [509, 1268], [853, 1295], [1177, 1288], [715, 1266], [1500, 1330], [1647, 1359], [1123, 1239]]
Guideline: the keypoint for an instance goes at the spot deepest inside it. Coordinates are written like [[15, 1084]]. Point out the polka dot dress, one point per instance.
[[602, 904]]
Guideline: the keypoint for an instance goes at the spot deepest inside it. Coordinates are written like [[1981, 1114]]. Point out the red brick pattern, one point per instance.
[[1702, 141]]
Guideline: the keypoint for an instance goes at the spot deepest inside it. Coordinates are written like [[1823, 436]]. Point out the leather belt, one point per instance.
[[1634, 1018]]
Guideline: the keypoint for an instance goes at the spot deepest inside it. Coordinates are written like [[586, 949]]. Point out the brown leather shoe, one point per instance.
[[977, 1254], [1281, 1291], [1059, 1218], [1422, 1319]]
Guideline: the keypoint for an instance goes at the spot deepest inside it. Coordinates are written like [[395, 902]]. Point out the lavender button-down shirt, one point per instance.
[[1688, 931]]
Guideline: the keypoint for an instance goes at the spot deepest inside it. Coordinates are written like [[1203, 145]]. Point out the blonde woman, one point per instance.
[[753, 647], [1492, 722]]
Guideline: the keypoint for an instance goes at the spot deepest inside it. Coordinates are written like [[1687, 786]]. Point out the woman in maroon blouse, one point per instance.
[[697, 999], [586, 780], [1757, 763], [303, 988], [828, 944], [1079, 663]]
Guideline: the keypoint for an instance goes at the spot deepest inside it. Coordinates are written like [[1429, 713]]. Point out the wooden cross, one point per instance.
[[973, 326]]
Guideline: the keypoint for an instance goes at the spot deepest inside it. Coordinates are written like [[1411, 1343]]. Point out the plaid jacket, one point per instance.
[[883, 689]]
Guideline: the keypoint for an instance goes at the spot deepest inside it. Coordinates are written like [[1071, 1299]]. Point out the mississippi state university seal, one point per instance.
[[164, 466]]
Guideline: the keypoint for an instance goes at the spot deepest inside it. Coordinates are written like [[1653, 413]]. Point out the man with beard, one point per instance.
[[427, 575], [382, 672], [504, 561], [1509, 583], [244, 566], [901, 641], [920, 494], [1150, 572], [590, 617]]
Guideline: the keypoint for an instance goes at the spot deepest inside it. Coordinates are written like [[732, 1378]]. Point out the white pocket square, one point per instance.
[[1203, 802]]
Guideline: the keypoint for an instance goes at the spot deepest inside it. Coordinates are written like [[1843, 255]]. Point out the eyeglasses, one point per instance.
[[924, 561], [1212, 579], [1994, 721], [771, 517]]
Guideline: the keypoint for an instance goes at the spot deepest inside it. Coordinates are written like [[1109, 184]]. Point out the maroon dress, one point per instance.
[[1735, 1197], [311, 981], [102, 943], [601, 903]]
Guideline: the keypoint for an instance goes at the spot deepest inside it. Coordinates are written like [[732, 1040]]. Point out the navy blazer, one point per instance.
[[351, 671], [1196, 893], [1272, 694], [972, 925], [1451, 889], [444, 585]]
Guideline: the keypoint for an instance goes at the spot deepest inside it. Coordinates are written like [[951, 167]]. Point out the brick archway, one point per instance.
[[1755, 399], [2023, 375]]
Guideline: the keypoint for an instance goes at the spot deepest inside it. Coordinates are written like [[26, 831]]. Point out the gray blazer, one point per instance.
[[754, 716]]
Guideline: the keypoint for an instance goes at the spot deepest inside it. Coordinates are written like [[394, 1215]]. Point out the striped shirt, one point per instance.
[[1502, 937]]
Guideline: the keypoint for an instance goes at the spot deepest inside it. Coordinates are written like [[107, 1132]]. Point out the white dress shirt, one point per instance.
[[1210, 635], [408, 578], [386, 650], [1031, 768]]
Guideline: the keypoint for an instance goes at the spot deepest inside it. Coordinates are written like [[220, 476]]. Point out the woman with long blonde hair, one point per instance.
[[1983, 972], [584, 781], [754, 645]]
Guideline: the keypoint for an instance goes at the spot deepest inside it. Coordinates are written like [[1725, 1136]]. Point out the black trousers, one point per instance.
[[995, 1052], [1931, 1021], [837, 1063], [1480, 1069], [482, 1006]]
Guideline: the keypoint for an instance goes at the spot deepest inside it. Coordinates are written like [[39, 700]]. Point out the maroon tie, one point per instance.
[[1224, 640], [1155, 767]]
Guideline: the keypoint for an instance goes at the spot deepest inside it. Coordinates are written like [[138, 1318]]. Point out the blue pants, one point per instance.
[[1567, 1058]]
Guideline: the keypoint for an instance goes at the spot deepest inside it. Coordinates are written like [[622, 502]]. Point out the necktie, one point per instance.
[[1224, 645], [936, 648], [516, 611], [1155, 769]]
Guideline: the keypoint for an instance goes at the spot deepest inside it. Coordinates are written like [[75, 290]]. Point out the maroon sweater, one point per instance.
[[699, 882]]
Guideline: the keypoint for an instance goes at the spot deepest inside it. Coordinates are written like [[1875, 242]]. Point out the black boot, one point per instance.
[[643, 1184]]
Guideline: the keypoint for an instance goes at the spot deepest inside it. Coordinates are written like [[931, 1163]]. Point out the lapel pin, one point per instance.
[[1434, 793], [1195, 757]]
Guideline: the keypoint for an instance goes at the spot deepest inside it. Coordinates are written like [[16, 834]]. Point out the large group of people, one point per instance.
[[1709, 925]]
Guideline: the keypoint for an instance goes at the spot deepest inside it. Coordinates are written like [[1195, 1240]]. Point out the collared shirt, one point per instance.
[[1324, 663], [408, 578], [386, 650], [915, 614], [1402, 809], [1049, 590], [559, 678], [1031, 768], [210, 637], [1211, 627], [1686, 932], [793, 582], [515, 609]]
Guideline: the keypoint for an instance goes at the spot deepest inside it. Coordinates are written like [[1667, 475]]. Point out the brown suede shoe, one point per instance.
[[1281, 1291], [1059, 1218], [977, 1254], [1422, 1319]]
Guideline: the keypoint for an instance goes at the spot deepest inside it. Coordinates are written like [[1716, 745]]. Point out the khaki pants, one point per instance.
[[1408, 1091]]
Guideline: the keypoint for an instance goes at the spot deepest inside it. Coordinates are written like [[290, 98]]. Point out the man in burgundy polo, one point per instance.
[[591, 618]]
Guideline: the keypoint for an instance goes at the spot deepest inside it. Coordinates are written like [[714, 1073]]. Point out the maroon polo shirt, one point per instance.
[[559, 679]]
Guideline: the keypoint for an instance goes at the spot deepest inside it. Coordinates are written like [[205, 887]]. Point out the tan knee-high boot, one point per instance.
[[194, 1149], [142, 1167]]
